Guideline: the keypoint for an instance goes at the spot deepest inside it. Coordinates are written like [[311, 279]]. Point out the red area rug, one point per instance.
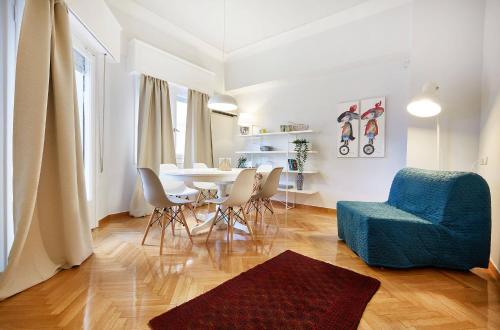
[[289, 291]]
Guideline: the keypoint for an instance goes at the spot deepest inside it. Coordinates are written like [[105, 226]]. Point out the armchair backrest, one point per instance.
[[457, 200]]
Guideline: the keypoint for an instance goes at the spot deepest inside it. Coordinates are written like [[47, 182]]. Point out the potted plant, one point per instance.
[[242, 162], [301, 149]]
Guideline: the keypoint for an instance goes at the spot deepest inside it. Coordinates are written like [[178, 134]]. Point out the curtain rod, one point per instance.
[[107, 52], [224, 113]]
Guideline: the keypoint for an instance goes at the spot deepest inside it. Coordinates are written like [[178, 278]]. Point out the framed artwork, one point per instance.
[[348, 129], [292, 164], [372, 128]]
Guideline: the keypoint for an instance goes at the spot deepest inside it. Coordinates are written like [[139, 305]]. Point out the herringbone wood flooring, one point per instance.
[[124, 284]]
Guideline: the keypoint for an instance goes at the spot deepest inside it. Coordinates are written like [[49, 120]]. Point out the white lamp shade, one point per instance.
[[426, 103], [222, 102], [245, 119]]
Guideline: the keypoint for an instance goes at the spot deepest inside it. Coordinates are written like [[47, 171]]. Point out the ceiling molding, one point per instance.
[[132, 9], [344, 17]]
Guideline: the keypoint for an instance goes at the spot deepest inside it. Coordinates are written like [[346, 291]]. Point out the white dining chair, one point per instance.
[[208, 190], [167, 210], [178, 189], [231, 207], [260, 177], [264, 168], [261, 199]]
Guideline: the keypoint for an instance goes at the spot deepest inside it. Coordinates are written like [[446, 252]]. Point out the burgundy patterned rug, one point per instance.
[[289, 291]]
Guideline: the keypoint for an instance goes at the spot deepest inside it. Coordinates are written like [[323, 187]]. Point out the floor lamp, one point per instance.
[[426, 104]]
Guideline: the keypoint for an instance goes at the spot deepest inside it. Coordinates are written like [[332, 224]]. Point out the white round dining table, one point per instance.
[[221, 178]]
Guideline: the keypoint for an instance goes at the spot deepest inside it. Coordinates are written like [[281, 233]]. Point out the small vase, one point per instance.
[[300, 181]]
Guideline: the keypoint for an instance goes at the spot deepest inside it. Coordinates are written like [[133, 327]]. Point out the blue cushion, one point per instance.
[[432, 218]]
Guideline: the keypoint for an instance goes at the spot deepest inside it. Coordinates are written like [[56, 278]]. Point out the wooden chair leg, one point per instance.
[[229, 210], [246, 208], [262, 211], [150, 223], [185, 224], [213, 224], [193, 210], [257, 208], [274, 214], [163, 227], [197, 199], [172, 222], [233, 221], [248, 225]]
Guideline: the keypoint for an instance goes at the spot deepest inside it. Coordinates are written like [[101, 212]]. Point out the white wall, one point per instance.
[[115, 185], [447, 49], [490, 118], [134, 28], [144, 58], [99, 19], [303, 82]]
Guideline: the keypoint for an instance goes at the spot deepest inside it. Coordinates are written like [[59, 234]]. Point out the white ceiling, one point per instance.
[[248, 21]]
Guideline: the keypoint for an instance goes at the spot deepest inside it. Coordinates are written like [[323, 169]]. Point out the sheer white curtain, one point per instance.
[[50, 207], [198, 147]]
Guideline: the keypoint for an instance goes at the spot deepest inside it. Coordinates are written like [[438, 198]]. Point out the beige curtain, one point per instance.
[[198, 147], [50, 207], [155, 136]]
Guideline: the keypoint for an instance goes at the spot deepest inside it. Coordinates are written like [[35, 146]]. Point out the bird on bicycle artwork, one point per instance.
[[349, 128], [373, 117]]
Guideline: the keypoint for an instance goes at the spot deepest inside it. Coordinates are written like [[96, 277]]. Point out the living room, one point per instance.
[[229, 145]]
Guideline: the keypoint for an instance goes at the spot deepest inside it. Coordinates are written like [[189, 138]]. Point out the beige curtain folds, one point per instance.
[[155, 135], [198, 148], [50, 206]]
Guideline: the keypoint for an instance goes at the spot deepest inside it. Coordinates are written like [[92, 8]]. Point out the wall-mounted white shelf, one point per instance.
[[279, 133], [284, 139], [303, 172], [304, 191], [271, 152]]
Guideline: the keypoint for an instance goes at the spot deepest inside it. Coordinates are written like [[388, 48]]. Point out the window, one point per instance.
[[83, 79], [178, 107], [180, 128], [10, 24]]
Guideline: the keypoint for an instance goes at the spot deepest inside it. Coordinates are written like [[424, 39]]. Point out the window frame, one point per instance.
[[96, 99], [11, 18], [179, 154]]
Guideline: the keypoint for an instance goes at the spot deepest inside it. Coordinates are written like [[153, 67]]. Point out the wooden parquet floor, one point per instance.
[[123, 285]]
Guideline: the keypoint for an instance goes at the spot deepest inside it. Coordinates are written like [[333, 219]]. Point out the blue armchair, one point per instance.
[[432, 218]]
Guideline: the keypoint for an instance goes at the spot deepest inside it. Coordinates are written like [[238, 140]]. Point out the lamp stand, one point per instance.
[[438, 143]]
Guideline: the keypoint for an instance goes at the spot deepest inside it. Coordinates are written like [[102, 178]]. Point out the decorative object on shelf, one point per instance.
[[294, 127], [245, 122], [244, 130], [302, 149], [225, 164], [300, 181], [348, 129], [255, 130], [262, 131], [372, 143], [285, 186], [292, 164], [242, 162], [266, 148]]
